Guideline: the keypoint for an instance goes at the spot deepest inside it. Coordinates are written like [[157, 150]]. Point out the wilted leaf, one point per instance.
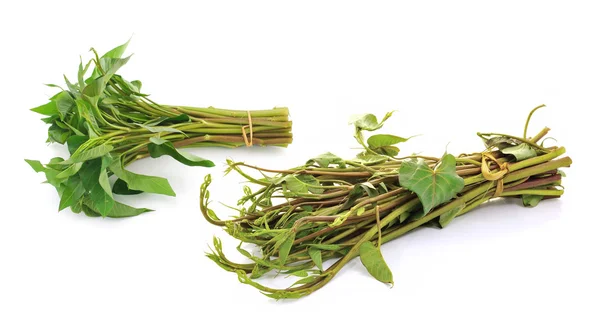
[[368, 122], [521, 152]]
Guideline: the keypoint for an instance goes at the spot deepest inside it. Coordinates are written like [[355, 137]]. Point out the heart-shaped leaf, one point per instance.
[[432, 186]]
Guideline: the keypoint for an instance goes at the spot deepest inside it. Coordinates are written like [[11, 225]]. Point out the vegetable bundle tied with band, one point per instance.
[[335, 209], [107, 123]]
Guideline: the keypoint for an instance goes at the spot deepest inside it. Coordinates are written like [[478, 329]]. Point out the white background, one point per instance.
[[450, 69]]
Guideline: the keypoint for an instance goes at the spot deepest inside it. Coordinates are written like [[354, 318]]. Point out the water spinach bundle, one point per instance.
[[336, 209], [107, 122]]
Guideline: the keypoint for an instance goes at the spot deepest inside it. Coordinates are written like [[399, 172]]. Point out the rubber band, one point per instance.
[[249, 126]]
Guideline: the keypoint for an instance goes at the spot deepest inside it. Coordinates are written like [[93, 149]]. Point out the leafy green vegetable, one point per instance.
[[319, 211], [102, 117]]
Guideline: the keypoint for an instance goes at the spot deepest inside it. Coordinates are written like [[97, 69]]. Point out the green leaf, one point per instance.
[[369, 189], [160, 129], [89, 211], [58, 134], [301, 184], [285, 247], [90, 173], [35, 165], [112, 65], [51, 178], [137, 84], [64, 103], [72, 88], [448, 216], [315, 255], [81, 72], [368, 122], [182, 118], [531, 200], [301, 273], [73, 192], [137, 182], [305, 280], [368, 158], [102, 201], [70, 171], [372, 259], [94, 89], [120, 187], [382, 140], [51, 119], [104, 183], [117, 52], [159, 147], [118, 210], [74, 141], [89, 154], [76, 207], [561, 173], [432, 186], [521, 152], [387, 150], [499, 142], [353, 195], [47, 109], [324, 160], [326, 247], [85, 111]]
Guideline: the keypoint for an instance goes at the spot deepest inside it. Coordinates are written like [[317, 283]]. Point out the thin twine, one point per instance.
[[244, 135], [496, 176]]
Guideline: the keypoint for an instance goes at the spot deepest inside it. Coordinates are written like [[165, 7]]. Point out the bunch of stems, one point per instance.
[[107, 123], [333, 223]]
